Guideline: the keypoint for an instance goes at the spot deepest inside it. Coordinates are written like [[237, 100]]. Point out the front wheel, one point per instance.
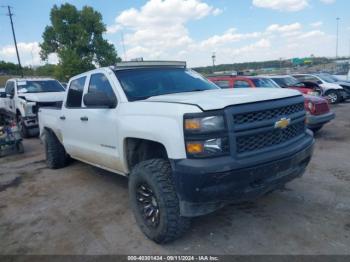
[[154, 201], [22, 127], [333, 96]]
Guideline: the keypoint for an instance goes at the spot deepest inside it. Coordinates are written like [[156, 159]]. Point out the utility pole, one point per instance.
[[337, 43], [10, 14], [213, 57], [122, 38]]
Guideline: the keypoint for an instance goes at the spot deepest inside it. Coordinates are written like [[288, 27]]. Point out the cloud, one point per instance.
[[230, 36], [284, 28], [29, 54], [112, 29], [159, 25], [316, 24], [282, 5], [328, 1]]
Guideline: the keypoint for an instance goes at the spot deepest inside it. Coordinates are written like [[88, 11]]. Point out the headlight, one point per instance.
[[208, 148], [205, 135], [204, 124], [313, 93]]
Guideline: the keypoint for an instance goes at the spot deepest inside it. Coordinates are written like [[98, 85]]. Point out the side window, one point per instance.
[[10, 88], [75, 92], [100, 84], [311, 79], [241, 84], [222, 83]]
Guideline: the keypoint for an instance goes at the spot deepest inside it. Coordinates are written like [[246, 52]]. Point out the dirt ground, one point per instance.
[[83, 210]]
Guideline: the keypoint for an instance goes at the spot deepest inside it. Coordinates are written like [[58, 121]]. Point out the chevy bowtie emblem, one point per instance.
[[283, 123]]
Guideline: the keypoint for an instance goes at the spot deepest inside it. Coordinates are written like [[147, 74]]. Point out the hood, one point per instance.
[[221, 98], [43, 97], [330, 86], [344, 83]]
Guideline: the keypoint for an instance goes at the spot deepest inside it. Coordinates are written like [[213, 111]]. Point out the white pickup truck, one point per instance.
[[187, 146], [22, 98]]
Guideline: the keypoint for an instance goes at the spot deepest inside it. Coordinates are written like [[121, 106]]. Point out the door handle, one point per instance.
[[84, 118], [62, 117]]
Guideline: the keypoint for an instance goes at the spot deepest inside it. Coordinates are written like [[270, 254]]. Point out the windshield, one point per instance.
[[139, 84], [39, 86], [287, 81], [327, 78], [264, 83]]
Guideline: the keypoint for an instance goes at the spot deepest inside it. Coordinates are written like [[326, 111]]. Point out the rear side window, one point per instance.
[[241, 84], [75, 92], [100, 84], [222, 83]]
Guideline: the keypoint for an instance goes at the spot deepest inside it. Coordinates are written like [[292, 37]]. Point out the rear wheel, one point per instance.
[[154, 201], [333, 96], [56, 156]]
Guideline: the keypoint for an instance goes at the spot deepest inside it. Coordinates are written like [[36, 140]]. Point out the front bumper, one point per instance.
[[313, 121], [204, 185], [345, 95], [32, 125]]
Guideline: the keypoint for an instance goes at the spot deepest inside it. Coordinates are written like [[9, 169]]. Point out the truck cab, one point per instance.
[[186, 146], [24, 96]]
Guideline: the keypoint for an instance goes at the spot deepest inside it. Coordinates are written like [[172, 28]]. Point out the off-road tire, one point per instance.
[[336, 94], [56, 155], [157, 174]]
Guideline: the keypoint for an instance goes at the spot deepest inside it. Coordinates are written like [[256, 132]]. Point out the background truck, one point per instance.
[[23, 97], [187, 147]]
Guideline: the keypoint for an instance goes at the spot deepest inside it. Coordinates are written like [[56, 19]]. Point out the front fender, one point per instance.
[[165, 130]]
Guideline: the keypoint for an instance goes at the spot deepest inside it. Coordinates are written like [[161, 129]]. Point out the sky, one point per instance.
[[192, 30]]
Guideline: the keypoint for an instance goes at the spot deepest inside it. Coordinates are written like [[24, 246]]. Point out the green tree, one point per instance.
[[76, 36]]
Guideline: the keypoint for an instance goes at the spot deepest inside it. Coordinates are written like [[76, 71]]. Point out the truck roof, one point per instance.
[[31, 79], [148, 64]]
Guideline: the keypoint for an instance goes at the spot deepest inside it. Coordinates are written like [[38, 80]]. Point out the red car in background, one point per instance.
[[231, 81], [317, 108]]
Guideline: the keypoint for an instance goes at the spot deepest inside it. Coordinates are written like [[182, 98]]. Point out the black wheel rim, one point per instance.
[[148, 205]]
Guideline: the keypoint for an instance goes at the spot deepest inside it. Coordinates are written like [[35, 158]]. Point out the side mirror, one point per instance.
[[3, 95], [99, 100]]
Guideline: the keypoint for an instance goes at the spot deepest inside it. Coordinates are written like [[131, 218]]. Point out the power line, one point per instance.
[[10, 14]]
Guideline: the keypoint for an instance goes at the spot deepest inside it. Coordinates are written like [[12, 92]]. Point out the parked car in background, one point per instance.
[[318, 112], [333, 91], [24, 96], [187, 146], [286, 81], [333, 79], [317, 108], [232, 81]]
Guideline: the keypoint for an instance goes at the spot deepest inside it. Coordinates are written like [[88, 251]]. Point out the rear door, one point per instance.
[[70, 121]]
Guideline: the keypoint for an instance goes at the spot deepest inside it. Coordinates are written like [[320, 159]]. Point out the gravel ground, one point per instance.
[[84, 210]]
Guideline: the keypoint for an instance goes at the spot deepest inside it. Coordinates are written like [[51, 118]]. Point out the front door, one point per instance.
[[100, 126]]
